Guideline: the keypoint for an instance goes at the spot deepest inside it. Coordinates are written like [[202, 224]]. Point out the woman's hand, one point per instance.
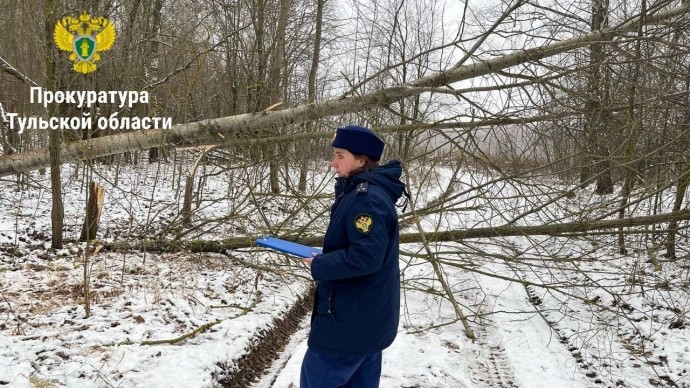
[[308, 260]]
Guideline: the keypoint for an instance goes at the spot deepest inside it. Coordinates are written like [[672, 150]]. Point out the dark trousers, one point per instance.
[[325, 370]]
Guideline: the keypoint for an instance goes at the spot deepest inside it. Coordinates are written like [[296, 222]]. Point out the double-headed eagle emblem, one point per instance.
[[363, 223], [85, 38]]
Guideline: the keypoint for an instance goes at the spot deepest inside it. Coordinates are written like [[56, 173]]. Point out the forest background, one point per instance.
[[579, 111]]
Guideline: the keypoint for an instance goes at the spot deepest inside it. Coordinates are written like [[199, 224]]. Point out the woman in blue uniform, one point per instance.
[[357, 301]]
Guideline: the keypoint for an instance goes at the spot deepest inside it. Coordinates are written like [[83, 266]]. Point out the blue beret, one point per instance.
[[359, 140]]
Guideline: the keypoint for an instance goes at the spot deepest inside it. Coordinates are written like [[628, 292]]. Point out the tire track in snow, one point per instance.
[[607, 374], [575, 352], [498, 372], [493, 368]]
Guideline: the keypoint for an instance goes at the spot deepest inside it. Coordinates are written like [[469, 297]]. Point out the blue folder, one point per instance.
[[288, 247]]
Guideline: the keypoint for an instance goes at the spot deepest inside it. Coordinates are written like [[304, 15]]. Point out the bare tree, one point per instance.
[[599, 118], [57, 210], [153, 68], [311, 90]]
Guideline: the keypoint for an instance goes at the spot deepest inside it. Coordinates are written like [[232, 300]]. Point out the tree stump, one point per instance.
[[93, 212], [187, 204]]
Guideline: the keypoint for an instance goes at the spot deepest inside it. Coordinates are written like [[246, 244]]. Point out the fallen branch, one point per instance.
[[181, 338], [196, 331]]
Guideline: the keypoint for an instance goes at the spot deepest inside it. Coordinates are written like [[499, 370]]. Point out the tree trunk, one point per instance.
[[8, 138], [311, 93], [631, 138], [275, 94], [599, 116], [409, 238], [129, 53], [11, 143], [57, 213], [681, 189], [154, 65]]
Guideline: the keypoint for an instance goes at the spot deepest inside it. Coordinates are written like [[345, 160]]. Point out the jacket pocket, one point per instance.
[[344, 303], [324, 299]]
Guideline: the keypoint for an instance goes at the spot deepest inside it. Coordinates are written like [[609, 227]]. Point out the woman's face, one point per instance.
[[344, 162]]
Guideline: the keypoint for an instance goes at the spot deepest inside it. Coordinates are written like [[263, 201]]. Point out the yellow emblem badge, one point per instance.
[[363, 223], [85, 37]]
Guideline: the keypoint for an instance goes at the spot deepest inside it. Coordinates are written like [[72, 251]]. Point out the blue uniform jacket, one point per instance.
[[357, 301]]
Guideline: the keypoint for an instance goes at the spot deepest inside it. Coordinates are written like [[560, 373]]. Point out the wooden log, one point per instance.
[[562, 229]]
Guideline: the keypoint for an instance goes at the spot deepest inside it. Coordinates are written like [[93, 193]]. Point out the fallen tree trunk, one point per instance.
[[440, 236], [225, 130]]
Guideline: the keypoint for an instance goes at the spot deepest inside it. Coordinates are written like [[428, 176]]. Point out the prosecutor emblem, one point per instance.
[[363, 223], [84, 37]]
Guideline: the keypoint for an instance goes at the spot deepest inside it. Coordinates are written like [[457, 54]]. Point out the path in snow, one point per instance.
[[522, 350], [618, 363], [514, 349]]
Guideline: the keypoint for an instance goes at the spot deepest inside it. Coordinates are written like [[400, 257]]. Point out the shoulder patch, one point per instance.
[[364, 223], [362, 187]]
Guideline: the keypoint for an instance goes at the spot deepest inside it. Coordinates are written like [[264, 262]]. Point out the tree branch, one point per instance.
[[9, 69]]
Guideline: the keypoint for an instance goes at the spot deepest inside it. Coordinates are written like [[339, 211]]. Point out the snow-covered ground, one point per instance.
[[600, 319]]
